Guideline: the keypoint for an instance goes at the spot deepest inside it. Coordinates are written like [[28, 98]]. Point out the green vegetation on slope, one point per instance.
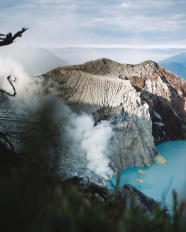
[[33, 200]]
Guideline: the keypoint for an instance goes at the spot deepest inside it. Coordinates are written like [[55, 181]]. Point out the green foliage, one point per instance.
[[33, 200]]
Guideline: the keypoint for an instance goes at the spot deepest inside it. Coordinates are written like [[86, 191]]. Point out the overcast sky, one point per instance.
[[96, 23]]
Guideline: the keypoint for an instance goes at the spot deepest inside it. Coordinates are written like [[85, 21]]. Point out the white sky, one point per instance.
[[96, 23]]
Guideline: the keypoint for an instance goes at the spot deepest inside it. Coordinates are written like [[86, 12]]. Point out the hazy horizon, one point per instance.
[[79, 55], [94, 23]]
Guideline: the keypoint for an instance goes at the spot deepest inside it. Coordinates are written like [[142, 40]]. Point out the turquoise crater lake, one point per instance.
[[159, 180]]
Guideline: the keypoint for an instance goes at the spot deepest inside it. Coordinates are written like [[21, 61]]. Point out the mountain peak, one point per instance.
[[112, 69], [151, 62], [179, 58], [103, 61], [102, 66], [176, 64]]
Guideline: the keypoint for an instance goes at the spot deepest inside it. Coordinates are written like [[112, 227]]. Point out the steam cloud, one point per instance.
[[77, 132], [93, 142]]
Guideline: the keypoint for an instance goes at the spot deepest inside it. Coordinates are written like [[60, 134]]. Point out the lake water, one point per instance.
[[159, 180]]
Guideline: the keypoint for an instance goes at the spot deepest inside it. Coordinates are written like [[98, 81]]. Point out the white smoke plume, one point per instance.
[[83, 139], [93, 141]]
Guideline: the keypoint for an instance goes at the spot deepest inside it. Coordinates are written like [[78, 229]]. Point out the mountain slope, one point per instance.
[[175, 68], [164, 92], [124, 95], [180, 59], [95, 89], [176, 64], [142, 104], [36, 61]]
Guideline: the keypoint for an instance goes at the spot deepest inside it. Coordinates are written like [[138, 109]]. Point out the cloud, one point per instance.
[[71, 23]]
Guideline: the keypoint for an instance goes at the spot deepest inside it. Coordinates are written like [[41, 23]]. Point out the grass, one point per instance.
[[34, 200]]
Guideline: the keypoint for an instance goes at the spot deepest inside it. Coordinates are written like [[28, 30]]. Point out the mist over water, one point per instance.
[[83, 140]]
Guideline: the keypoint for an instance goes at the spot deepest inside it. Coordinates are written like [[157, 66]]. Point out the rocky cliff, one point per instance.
[[142, 103], [96, 89], [164, 93]]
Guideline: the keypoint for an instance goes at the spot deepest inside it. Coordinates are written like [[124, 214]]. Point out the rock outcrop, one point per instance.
[[131, 194], [164, 93], [143, 104], [95, 89], [128, 193]]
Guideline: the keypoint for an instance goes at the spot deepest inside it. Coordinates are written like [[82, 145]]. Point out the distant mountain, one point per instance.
[[176, 64], [36, 61], [80, 55], [180, 59]]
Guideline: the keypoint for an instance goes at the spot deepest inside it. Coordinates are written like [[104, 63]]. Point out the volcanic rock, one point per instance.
[[96, 89], [143, 104], [164, 92], [128, 193]]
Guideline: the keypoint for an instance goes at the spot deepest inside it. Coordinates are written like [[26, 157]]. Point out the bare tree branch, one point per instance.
[[9, 38], [3, 91], [2, 35], [6, 40]]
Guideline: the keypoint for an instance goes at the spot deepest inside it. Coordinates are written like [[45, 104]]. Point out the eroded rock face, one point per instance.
[[142, 103], [164, 92], [95, 89]]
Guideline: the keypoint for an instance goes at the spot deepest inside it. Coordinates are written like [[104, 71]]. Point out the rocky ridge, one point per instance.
[[164, 92], [144, 104], [95, 90]]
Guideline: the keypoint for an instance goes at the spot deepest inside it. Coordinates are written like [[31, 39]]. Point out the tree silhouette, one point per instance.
[[8, 39]]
